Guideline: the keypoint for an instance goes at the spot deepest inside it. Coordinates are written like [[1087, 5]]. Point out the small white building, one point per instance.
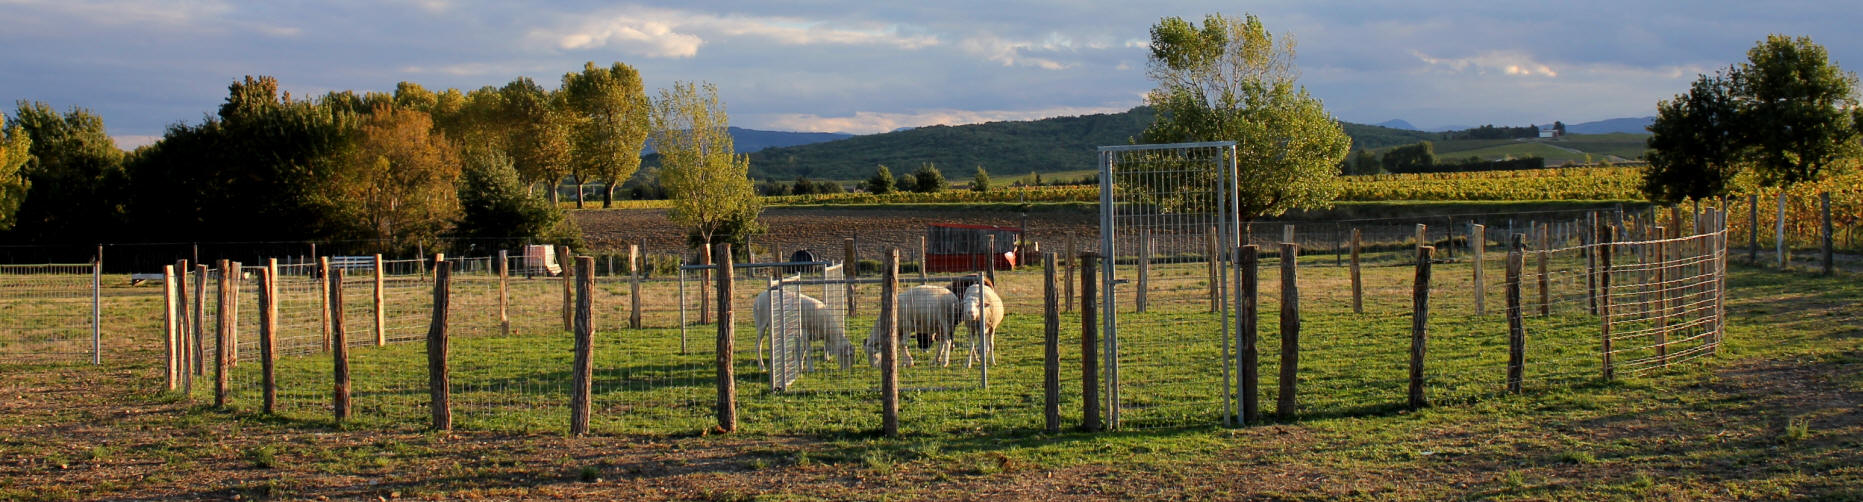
[[1548, 132]]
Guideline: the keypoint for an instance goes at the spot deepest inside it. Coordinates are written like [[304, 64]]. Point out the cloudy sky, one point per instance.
[[863, 66]]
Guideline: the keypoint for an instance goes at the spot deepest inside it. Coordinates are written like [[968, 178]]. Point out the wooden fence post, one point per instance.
[[1664, 274], [1545, 256], [1141, 296], [850, 270], [1516, 320], [268, 332], [1358, 285], [1089, 342], [1590, 238], [727, 377], [339, 346], [583, 374], [381, 309], [569, 286], [171, 342], [1604, 300], [1423, 235], [439, 376], [323, 274], [1290, 329], [232, 306], [633, 284], [1478, 253], [889, 344], [504, 292], [1067, 284], [1051, 347], [184, 328], [1212, 269], [223, 325], [924, 266], [1246, 327], [1420, 326], [1824, 199]]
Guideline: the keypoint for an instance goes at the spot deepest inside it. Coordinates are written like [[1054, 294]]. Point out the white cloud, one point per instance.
[[877, 122], [1012, 53], [674, 33], [1513, 63]]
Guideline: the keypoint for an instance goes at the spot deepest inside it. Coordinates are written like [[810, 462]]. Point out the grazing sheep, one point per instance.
[[922, 309], [982, 311], [818, 323]]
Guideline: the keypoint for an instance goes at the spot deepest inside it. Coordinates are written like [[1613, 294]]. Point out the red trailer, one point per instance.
[[954, 247]]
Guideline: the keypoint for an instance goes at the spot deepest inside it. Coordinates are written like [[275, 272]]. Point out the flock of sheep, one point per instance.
[[931, 314]]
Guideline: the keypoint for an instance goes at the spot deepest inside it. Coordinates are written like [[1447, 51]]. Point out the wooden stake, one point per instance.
[[223, 328], [727, 319], [1144, 271], [1516, 322], [1089, 343], [1478, 250], [1051, 347], [323, 272], [633, 285], [381, 307], [268, 332], [170, 330], [504, 292], [1419, 327], [1246, 328], [583, 373], [1290, 330], [339, 351], [569, 286], [1545, 254], [889, 345], [1604, 301], [851, 269], [1358, 285], [439, 376], [1067, 284]]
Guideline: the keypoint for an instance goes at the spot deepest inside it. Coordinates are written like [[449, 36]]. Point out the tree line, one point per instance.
[[402, 170]]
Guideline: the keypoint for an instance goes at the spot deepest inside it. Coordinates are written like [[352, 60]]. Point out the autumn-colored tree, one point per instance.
[[709, 183], [609, 111], [398, 182], [537, 133]]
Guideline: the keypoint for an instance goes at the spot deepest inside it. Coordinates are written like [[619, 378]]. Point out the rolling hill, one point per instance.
[[1052, 145]]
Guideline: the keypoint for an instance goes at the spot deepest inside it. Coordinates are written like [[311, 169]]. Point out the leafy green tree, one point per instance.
[[15, 150], [882, 180], [1231, 79], [536, 126], [981, 181], [75, 177], [802, 186], [709, 183], [1362, 162], [1694, 145], [1559, 128], [928, 180], [1796, 109], [499, 212], [610, 125], [1410, 159]]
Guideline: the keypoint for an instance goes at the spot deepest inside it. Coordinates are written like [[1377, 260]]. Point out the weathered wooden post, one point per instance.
[[569, 286], [1358, 285], [1067, 284], [924, 266], [889, 344], [171, 342], [268, 332], [1604, 301], [381, 309], [232, 306], [1051, 347], [1663, 276], [1423, 235], [339, 351], [850, 269], [583, 374], [1516, 321], [1089, 343], [1478, 253], [1545, 275], [1246, 327], [1590, 237], [633, 285], [184, 328], [439, 374], [323, 273], [504, 292], [727, 377], [223, 328], [1824, 199], [1419, 327], [1290, 329]]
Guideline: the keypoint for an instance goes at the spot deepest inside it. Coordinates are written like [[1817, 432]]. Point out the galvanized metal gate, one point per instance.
[[1168, 227], [796, 344]]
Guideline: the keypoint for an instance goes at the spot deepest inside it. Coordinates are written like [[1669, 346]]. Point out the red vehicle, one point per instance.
[[954, 247]]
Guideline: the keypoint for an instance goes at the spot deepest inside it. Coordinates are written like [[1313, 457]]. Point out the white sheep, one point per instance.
[[982, 311], [929, 310], [818, 323]]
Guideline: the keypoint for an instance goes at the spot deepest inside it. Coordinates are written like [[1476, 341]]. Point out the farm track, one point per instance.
[[1779, 416]]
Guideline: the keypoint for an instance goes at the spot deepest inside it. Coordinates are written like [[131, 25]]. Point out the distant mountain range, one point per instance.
[[1634, 125]]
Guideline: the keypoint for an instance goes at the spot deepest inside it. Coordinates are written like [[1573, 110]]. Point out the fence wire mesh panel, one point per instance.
[[1167, 217], [46, 314]]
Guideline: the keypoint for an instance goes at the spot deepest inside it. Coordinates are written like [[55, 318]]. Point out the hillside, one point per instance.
[[1053, 145], [1577, 148], [751, 140]]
